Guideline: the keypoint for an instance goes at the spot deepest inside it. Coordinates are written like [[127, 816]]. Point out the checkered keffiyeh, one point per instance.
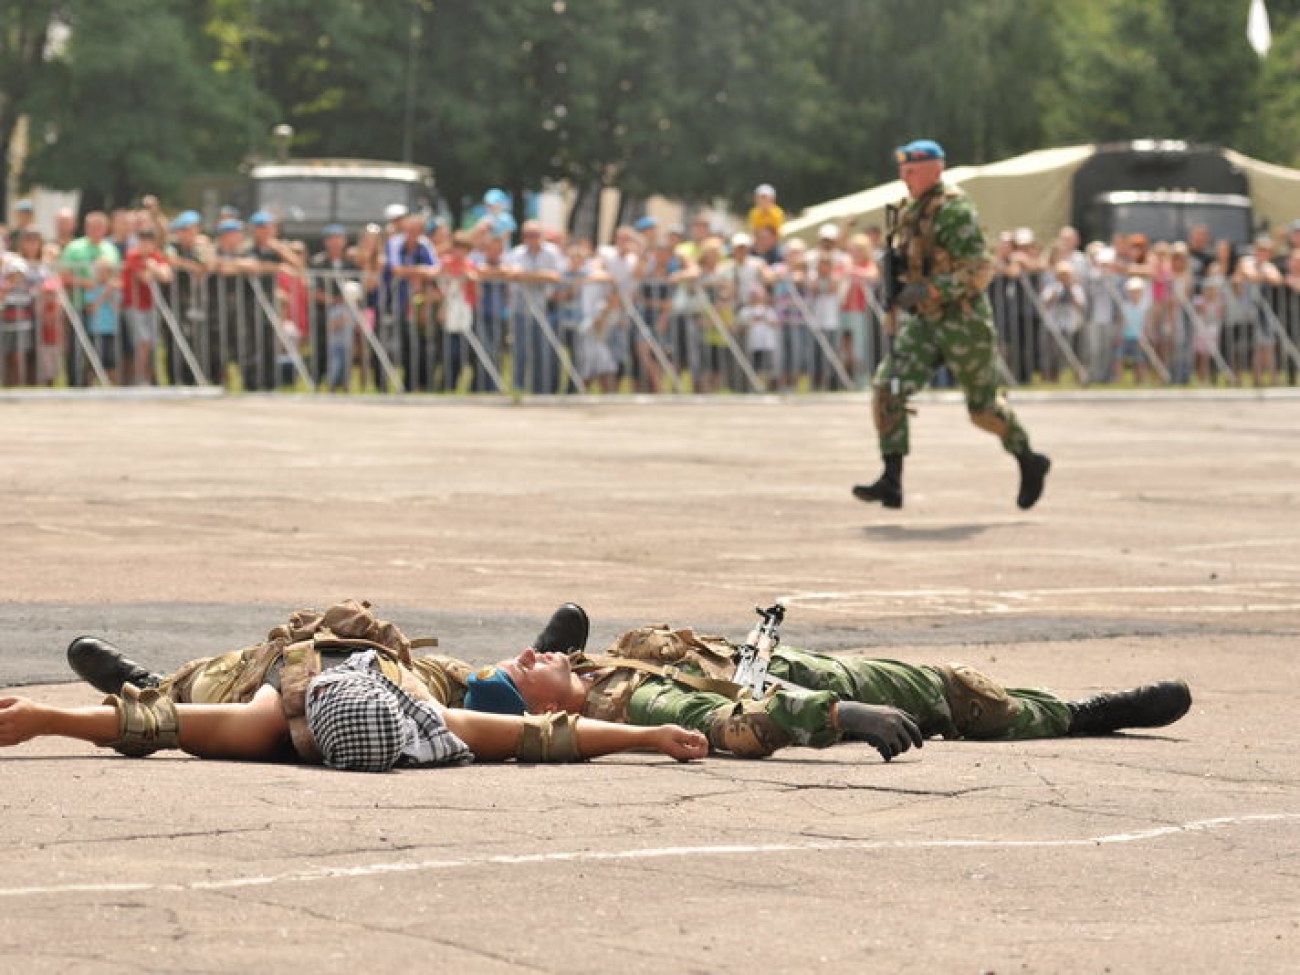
[[362, 722]]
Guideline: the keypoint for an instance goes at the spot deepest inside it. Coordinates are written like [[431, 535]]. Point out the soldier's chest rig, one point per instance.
[[916, 236]]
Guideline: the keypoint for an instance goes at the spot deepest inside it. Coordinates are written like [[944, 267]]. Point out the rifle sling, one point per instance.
[[728, 689]]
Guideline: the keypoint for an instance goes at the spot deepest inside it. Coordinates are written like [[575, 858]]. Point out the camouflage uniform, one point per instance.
[[943, 246], [787, 717]]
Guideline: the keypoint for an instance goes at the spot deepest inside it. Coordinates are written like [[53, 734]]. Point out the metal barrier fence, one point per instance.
[[349, 331]]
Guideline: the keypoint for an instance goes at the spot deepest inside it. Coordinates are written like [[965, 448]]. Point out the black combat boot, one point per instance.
[[888, 489], [102, 665], [1033, 472], [1149, 706], [566, 632]]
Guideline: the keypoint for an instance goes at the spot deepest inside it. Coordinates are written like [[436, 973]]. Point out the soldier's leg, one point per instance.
[[969, 346], [905, 369], [953, 701]]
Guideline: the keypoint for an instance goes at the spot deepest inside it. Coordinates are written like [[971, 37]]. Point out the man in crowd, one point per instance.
[[946, 274], [330, 267], [78, 259], [535, 266], [145, 269], [270, 254], [412, 267]]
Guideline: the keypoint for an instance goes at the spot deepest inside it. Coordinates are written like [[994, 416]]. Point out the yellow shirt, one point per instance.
[[772, 216]]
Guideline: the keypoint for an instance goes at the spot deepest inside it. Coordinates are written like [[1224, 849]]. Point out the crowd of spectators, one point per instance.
[[139, 297]]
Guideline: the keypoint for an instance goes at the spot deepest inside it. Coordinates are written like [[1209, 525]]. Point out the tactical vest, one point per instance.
[[702, 663], [926, 259], [296, 647]]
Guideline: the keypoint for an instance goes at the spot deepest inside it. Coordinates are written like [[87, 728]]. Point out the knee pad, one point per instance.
[[147, 721], [746, 730], [981, 708], [549, 738]]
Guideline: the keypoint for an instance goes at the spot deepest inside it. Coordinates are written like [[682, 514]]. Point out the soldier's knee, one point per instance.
[[991, 421], [980, 707]]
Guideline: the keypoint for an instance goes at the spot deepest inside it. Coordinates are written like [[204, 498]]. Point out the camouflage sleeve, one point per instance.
[[749, 729], [957, 231]]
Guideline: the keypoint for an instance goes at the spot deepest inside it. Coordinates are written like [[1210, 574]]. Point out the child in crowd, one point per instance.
[[103, 315], [1134, 313], [17, 324], [825, 288], [759, 322], [341, 323], [1209, 325]]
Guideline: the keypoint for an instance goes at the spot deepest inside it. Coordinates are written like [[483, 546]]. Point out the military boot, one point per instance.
[[1033, 473], [1149, 706], [566, 632], [102, 665], [888, 489]]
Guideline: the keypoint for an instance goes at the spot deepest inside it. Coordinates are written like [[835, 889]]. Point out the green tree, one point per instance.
[[134, 104], [24, 37]]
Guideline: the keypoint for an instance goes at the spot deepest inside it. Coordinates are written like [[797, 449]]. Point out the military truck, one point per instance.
[[1161, 189], [307, 195]]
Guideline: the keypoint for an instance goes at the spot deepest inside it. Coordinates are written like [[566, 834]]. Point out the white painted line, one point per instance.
[[654, 853]]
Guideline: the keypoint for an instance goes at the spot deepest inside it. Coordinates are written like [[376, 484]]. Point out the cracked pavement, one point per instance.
[[1167, 545]]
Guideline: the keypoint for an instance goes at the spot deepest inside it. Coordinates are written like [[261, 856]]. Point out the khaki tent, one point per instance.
[[1035, 191]]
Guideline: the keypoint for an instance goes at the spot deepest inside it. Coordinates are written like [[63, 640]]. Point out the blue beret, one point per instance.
[[228, 225], [491, 690], [334, 229], [645, 223], [496, 198], [919, 150], [260, 219], [187, 218], [24, 206]]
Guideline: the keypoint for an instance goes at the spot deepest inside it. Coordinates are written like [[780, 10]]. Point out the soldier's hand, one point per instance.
[[679, 743], [888, 730], [912, 296]]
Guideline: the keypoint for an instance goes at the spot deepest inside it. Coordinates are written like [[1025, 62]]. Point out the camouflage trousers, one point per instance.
[[967, 344], [803, 717]]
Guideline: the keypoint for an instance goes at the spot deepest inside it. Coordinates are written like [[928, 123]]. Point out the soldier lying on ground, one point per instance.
[[654, 675], [368, 713]]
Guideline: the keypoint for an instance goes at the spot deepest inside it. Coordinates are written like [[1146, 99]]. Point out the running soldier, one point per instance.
[[943, 269]]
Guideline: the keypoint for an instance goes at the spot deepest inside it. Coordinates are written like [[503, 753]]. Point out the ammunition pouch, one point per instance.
[[549, 738], [981, 708], [147, 721]]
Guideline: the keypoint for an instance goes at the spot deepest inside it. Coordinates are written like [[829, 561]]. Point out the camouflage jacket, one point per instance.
[[940, 236]]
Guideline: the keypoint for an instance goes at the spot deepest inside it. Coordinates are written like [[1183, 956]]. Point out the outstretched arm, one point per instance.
[[247, 731], [496, 737]]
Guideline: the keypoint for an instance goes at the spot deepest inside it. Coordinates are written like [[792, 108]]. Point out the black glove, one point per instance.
[[912, 296], [888, 730]]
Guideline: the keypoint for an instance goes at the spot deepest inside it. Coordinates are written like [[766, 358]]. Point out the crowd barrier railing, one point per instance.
[[350, 330]]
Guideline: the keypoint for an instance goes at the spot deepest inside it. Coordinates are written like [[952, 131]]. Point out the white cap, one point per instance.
[[1105, 255], [394, 211], [15, 265], [1023, 236], [829, 232], [742, 240], [765, 189], [1135, 284]]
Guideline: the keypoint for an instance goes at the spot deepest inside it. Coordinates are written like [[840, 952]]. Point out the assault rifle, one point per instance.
[[751, 656]]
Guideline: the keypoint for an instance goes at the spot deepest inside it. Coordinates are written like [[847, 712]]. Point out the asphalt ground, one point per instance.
[[1168, 544]]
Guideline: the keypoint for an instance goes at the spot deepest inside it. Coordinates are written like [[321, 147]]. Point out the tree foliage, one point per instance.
[[696, 100]]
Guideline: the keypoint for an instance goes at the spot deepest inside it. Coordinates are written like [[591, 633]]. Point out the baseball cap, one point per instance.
[[742, 240], [765, 189], [186, 218], [394, 211], [829, 232], [496, 197], [1023, 236], [493, 690], [918, 150]]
